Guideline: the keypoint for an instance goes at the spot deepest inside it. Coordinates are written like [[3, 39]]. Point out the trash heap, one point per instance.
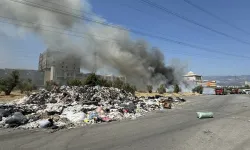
[[66, 107]]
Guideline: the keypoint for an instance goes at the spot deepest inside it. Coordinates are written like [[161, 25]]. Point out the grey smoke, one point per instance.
[[115, 50]]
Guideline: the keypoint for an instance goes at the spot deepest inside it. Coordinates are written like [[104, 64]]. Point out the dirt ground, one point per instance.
[[139, 94], [14, 95]]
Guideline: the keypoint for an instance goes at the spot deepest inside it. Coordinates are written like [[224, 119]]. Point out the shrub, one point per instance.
[[50, 84], [9, 83], [176, 88], [105, 83], [91, 80], [129, 88], [150, 88], [198, 89], [162, 89], [74, 82], [118, 84], [25, 86]]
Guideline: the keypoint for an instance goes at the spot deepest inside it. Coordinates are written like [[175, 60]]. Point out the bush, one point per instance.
[[105, 83], [150, 88], [198, 89], [176, 88], [118, 84], [91, 80], [9, 83], [74, 82], [25, 86], [129, 88], [50, 84], [162, 89]]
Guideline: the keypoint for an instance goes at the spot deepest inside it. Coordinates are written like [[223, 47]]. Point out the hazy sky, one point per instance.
[[18, 50]]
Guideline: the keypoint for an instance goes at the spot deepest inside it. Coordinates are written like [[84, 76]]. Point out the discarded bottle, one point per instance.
[[202, 115]]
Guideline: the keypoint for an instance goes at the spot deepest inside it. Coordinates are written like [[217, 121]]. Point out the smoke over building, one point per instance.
[[139, 62]]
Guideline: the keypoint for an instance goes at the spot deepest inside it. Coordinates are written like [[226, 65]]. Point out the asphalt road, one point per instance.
[[176, 129]]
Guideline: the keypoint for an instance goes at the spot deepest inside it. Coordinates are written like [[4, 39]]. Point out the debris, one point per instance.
[[202, 115], [77, 106], [46, 123], [207, 132]]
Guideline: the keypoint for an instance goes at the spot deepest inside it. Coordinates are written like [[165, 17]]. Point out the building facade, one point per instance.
[[113, 78], [192, 77], [59, 66]]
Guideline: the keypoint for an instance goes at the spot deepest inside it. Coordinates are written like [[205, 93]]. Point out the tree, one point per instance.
[[198, 89], [74, 82], [161, 89], [118, 84], [150, 88], [91, 80], [25, 86], [129, 88], [9, 83], [176, 88], [247, 86]]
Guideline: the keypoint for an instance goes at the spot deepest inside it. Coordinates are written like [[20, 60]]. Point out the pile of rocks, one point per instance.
[[77, 106]]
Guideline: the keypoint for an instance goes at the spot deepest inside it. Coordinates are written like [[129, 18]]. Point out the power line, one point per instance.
[[215, 16], [131, 30], [155, 5], [47, 1], [77, 34]]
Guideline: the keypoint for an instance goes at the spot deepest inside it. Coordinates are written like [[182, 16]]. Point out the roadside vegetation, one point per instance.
[[94, 80]]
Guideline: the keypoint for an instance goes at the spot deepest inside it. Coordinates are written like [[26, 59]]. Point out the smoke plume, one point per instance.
[[115, 51]]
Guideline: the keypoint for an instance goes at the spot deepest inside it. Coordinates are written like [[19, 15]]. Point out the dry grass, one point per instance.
[[14, 95], [139, 94]]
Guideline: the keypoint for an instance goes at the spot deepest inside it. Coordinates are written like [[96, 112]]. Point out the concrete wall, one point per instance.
[[36, 76]]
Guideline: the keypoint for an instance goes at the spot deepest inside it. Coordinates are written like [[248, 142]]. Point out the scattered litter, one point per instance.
[[207, 132], [202, 115], [68, 107]]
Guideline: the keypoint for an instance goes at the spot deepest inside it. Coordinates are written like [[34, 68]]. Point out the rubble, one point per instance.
[[66, 107]]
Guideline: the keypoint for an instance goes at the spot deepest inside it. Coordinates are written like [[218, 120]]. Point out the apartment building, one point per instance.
[[59, 66]]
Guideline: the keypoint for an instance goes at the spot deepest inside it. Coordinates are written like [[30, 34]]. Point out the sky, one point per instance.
[[22, 51]]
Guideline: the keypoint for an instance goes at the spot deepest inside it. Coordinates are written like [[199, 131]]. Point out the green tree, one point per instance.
[[118, 84], [150, 88], [91, 80], [198, 89], [74, 82], [25, 86], [176, 88], [9, 83], [247, 86], [161, 89], [129, 88]]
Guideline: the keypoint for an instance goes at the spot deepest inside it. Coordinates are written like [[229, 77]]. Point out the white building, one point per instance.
[[192, 77], [59, 66]]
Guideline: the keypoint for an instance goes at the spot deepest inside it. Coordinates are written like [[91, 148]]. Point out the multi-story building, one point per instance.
[[59, 66], [192, 77]]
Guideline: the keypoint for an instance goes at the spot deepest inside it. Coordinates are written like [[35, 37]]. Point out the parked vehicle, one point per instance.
[[220, 91], [234, 91]]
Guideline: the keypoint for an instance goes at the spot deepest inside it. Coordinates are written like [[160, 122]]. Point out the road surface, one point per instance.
[[176, 129]]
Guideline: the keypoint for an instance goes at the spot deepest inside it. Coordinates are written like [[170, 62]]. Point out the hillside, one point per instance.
[[229, 80]]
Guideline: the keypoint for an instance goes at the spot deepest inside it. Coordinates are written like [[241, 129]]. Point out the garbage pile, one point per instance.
[[66, 107]]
